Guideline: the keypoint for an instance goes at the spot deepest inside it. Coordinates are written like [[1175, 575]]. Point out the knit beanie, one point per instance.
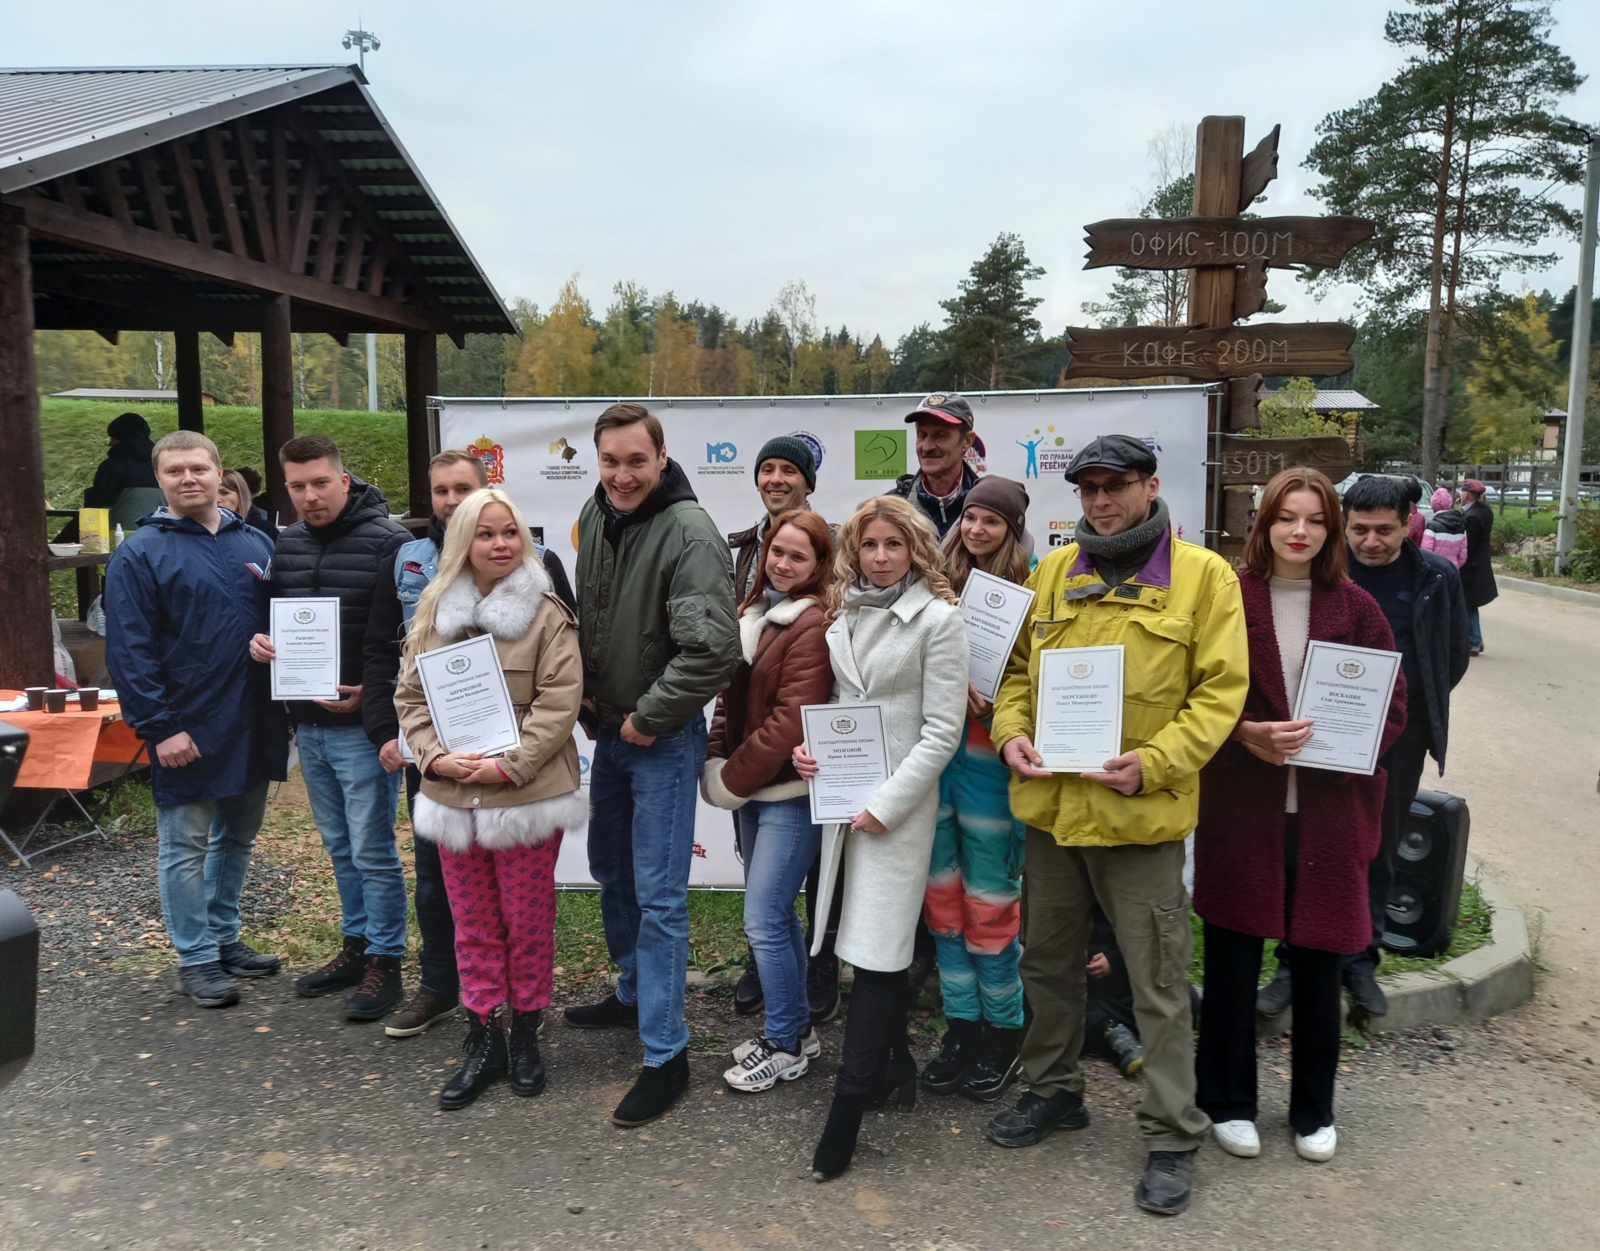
[[1003, 496], [787, 447]]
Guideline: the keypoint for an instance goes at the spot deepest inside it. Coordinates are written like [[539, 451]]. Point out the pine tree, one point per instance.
[[991, 337]]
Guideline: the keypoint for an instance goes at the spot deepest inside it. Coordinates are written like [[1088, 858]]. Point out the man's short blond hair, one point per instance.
[[183, 441], [460, 456]]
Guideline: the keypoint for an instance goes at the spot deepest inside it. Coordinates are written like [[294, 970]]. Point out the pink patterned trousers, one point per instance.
[[504, 905]]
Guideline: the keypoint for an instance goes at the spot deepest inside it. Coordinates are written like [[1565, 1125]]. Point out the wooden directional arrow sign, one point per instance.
[[1247, 461], [1191, 242], [1315, 349]]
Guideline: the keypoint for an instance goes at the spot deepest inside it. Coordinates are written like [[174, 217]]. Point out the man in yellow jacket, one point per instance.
[[1116, 835]]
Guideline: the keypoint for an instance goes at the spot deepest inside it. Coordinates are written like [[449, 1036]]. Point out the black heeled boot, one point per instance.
[[527, 1069], [483, 1060], [897, 1079], [838, 1143]]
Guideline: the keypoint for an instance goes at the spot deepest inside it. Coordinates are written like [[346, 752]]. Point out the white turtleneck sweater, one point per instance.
[[1291, 621]]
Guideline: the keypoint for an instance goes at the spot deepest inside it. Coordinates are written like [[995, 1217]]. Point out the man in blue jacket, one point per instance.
[[183, 594]]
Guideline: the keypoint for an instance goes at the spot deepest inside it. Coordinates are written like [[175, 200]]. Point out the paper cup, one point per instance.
[[55, 701], [35, 696], [88, 698]]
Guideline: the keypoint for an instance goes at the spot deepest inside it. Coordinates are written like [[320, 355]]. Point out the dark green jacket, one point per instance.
[[656, 621]]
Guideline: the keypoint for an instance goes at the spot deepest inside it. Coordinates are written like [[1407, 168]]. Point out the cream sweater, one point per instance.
[[1291, 621]]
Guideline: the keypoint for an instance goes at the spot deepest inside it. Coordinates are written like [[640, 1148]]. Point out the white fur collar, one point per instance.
[[505, 612], [756, 618]]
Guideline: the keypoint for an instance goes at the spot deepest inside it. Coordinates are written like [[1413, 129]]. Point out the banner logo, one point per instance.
[[458, 664], [1046, 453], [563, 449], [493, 457], [977, 454], [721, 453], [1062, 533], [564, 468], [814, 443], [880, 453]]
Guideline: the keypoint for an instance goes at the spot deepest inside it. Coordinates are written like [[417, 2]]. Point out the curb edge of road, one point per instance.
[[1484, 982], [1570, 594]]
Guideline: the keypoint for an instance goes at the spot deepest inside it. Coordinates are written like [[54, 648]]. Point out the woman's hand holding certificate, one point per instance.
[[467, 697], [850, 750], [1344, 693]]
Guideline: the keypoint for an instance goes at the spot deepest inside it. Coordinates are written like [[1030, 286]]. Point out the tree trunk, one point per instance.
[[1433, 396], [1453, 285]]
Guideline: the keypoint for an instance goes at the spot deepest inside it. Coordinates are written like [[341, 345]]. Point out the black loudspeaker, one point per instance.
[[1425, 896]]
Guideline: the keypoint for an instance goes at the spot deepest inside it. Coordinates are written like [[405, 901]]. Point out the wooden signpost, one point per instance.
[[1228, 256]]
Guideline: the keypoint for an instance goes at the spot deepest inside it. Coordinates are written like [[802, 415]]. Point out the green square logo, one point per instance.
[[880, 453]]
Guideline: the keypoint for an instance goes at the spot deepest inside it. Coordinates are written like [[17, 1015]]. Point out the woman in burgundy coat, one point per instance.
[[1282, 851]]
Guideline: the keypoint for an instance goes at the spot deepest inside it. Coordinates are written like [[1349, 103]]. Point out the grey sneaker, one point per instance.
[[207, 985], [242, 960]]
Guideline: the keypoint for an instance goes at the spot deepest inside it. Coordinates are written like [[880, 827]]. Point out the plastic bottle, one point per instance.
[[117, 536]]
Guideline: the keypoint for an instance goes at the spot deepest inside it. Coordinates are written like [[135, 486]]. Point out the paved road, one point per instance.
[[145, 1123]]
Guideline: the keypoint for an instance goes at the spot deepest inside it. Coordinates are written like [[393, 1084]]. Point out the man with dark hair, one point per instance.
[[1420, 594], [184, 592], [943, 477], [1477, 575], [344, 546], [453, 475], [659, 637]]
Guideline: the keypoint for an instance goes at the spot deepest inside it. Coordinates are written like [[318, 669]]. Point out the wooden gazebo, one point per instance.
[[210, 200]]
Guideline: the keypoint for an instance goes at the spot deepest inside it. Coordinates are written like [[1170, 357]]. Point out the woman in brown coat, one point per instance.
[[498, 820], [750, 771]]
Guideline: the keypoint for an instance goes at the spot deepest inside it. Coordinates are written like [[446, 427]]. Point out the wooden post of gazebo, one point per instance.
[[277, 401], [26, 652], [422, 380], [191, 405]]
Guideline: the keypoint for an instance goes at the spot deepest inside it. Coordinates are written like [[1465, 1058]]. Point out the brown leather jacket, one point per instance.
[[757, 722]]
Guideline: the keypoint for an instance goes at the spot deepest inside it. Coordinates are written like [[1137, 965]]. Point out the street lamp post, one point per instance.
[[364, 41], [1578, 377]]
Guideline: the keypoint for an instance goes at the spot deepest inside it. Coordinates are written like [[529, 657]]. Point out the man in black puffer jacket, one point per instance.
[[342, 545]]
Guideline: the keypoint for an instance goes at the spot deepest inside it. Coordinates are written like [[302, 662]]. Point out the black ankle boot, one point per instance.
[[997, 1068], [839, 1136], [527, 1069], [483, 1060], [897, 1079], [655, 1091], [958, 1052]]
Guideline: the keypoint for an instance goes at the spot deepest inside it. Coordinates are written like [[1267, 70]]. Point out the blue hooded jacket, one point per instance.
[[181, 604]]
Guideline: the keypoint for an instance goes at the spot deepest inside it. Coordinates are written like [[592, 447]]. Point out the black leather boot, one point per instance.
[[483, 1060], [958, 1052], [897, 1079], [997, 1068], [838, 1144], [527, 1069], [655, 1091]]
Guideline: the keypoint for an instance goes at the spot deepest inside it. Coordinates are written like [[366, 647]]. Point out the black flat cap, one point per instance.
[[1120, 452]]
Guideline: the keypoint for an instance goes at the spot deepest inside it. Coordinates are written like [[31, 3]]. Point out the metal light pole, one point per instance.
[[372, 373], [364, 41], [1578, 378]]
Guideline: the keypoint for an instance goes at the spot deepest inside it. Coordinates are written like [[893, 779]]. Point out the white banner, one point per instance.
[[541, 451]]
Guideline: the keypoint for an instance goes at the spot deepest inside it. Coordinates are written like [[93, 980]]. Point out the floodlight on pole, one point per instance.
[[363, 41]]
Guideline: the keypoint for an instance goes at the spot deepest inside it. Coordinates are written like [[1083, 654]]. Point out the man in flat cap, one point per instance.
[[943, 478], [1116, 834]]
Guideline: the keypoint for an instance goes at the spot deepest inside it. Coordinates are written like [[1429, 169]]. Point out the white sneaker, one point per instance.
[[1319, 1146], [764, 1067], [1238, 1138], [810, 1046]]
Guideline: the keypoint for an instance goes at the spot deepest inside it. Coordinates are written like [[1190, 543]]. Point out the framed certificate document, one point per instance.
[[305, 636], [1344, 693], [1078, 714], [852, 754], [468, 698], [993, 611]]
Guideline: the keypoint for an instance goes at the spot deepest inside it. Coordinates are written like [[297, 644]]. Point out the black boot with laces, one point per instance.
[[527, 1068], [483, 1060], [344, 970], [958, 1053]]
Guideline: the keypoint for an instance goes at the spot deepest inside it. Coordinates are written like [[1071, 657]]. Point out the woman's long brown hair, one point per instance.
[[816, 530], [1329, 566]]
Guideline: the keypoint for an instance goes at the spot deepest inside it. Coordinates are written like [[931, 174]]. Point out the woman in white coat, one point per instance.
[[895, 639]]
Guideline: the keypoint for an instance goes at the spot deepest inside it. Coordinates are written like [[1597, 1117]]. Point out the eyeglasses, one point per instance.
[[1087, 491]]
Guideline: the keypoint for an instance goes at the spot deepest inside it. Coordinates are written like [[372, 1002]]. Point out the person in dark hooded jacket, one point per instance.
[[184, 592], [344, 546], [125, 482]]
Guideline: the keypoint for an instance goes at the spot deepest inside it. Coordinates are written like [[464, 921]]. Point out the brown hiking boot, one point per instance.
[[423, 1010]]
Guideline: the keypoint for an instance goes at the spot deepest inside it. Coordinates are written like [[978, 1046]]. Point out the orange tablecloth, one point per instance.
[[63, 746]]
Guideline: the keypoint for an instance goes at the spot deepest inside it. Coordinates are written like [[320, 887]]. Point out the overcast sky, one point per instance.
[[872, 149]]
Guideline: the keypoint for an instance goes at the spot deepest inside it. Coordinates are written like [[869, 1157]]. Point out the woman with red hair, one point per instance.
[[1282, 852]]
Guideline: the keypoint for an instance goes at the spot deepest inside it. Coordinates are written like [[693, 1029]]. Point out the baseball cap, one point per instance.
[[945, 406], [1120, 452]]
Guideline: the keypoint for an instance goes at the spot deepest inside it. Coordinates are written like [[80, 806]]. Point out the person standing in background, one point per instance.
[[235, 496], [1281, 851], [1477, 571], [344, 545], [660, 638], [1415, 524], [124, 482], [184, 593], [972, 904], [1446, 534]]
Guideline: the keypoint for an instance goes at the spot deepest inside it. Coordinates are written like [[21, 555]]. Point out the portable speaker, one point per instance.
[[1425, 896]]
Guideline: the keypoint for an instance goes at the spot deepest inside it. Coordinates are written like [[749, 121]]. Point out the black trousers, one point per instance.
[[879, 1006], [434, 922]]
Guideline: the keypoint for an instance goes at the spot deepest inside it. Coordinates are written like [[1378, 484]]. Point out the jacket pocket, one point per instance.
[[1173, 938], [686, 620], [519, 682], [1156, 659]]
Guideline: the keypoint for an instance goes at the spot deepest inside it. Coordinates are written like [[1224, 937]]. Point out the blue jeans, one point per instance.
[[778, 842], [1474, 628], [204, 853], [353, 798], [641, 842], [434, 922]]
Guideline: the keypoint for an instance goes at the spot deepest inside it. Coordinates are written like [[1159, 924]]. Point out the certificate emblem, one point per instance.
[[1351, 669], [843, 725], [1078, 670], [458, 664], [995, 599], [304, 616]]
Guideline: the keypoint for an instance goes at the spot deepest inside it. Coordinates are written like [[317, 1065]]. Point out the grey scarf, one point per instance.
[[1117, 557], [862, 594]]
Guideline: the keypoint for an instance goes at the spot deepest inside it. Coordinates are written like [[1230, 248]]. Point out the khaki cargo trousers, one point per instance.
[[1141, 890]]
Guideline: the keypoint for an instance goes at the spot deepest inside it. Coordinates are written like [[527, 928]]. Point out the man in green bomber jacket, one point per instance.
[[660, 639]]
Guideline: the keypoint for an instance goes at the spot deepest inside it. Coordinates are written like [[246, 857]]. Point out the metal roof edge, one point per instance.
[[133, 136]]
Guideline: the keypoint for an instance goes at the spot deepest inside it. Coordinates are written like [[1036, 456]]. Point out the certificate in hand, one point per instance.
[[848, 743], [305, 638], [1344, 693], [467, 697], [1078, 717], [993, 610]]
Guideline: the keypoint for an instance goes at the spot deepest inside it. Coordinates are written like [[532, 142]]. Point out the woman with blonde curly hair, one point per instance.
[[896, 639]]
